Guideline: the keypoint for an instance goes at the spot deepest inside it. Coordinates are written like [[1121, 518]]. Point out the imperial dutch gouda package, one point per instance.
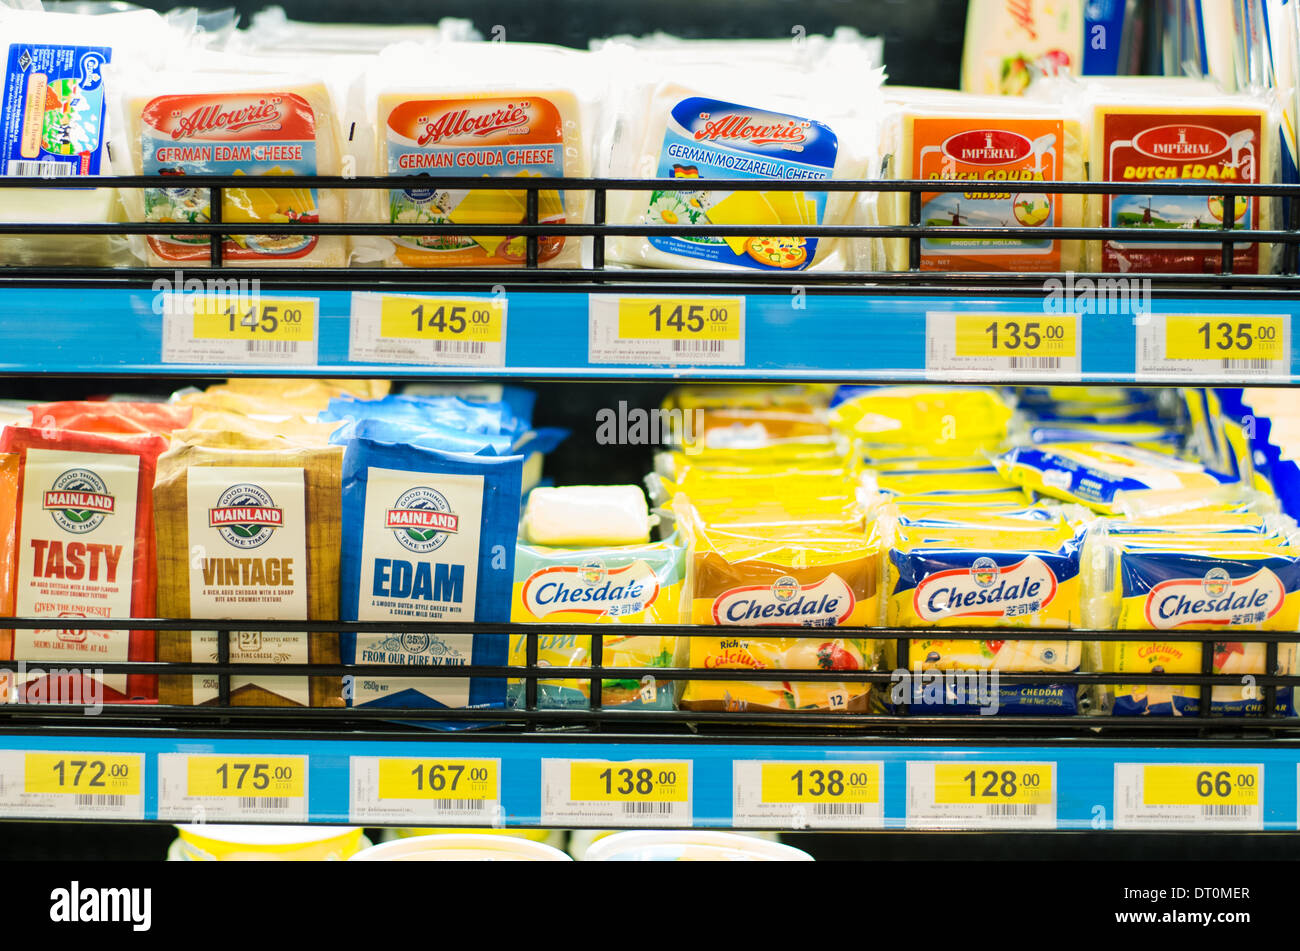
[[85, 549], [248, 528], [613, 584]]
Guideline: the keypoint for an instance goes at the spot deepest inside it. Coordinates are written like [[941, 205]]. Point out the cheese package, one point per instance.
[[581, 515], [85, 550], [500, 110], [1008, 43], [941, 420], [1026, 145], [428, 536], [119, 417], [227, 116], [703, 123], [607, 584], [248, 528]]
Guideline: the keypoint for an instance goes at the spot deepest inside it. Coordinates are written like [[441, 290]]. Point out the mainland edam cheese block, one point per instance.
[[270, 127]]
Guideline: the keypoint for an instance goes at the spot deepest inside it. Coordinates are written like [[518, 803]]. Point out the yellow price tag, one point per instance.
[[983, 783], [1209, 337], [442, 318], [1016, 335], [404, 778], [288, 320], [1184, 785], [653, 318], [247, 776], [96, 774], [635, 781], [820, 782]]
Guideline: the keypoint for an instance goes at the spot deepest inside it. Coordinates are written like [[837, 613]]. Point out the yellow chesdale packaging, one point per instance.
[[811, 576]]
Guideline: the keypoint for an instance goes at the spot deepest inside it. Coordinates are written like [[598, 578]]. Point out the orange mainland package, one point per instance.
[[84, 549], [102, 417]]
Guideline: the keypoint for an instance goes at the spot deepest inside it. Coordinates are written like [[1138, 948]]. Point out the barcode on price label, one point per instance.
[[239, 326], [67, 784], [248, 788], [425, 790], [429, 331], [988, 345], [643, 330], [814, 794], [655, 793], [981, 795], [1189, 796], [1227, 346]]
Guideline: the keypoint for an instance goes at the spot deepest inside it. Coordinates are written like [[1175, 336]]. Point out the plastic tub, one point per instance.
[[461, 847], [257, 843], [690, 846]]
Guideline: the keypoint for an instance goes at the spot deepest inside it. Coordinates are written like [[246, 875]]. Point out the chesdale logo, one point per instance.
[[466, 122], [217, 117], [1215, 598], [76, 904], [245, 516], [421, 519], [591, 588], [827, 603], [985, 590], [789, 133], [78, 501]]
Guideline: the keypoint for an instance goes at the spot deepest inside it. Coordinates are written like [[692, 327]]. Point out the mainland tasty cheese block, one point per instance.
[[955, 138], [223, 124]]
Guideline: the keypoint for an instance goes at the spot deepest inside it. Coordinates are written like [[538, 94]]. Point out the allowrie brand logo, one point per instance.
[[458, 123], [757, 131], [226, 118]]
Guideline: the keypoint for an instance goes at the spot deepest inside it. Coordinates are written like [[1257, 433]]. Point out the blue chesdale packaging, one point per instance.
[[428, 535], [52, 115]]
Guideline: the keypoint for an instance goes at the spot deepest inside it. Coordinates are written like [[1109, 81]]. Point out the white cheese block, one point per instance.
[[587, 515]]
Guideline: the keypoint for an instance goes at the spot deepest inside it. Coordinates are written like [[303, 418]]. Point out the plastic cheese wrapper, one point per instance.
[[428, 536], [499, 110], [1007, 44], [587, 515], [955, 136], [520, 399], [618, 584], [447, 411], [226, 115], [54, 123], [1230, 583], [159, 418], [85, 549], [807, 576], [803, 51], [944, 418], [696, 121], [298, 430], [248, 528]]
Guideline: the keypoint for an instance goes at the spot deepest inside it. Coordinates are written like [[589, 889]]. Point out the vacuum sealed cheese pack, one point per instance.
[[85, 549], [428, 535], [248, 528], [229, 116], [941, 420], [586, 515], [499, 110], [606, 584], [122, 417]]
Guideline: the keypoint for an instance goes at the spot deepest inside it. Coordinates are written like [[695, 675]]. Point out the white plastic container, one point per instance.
[[266, 843], [457, 847], [690, 846]]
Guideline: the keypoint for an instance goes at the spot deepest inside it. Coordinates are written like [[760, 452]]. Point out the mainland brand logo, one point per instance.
[[421, 519], [1180, 142], [985, 590], [463, 122], [987, 147], [591, 588], [766, 131], [1215, 598], [827, 603], [245, 516], [224, 118], [79, 501]]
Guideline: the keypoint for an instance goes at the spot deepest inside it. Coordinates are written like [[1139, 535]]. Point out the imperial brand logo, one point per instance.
[[75, 903], [987, 147], [217, 117], [461, 122], [245, 515], [827, 603], [1180, 141], [985, 590], [421, 519], [1215, 598], [791, 132], [79, 501], [591, 589]]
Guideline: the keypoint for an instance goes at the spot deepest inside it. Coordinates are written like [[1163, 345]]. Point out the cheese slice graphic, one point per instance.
[[742, 208]]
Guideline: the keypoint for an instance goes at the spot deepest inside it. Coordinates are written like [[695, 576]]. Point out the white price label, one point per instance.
[[1189, 796], [636, 793], [428, 330], [71, 785], [246, 788], [981, 795], [807, 795], [425, 790], [647, 330], [220, 329], [995, 345], [1227, 346]]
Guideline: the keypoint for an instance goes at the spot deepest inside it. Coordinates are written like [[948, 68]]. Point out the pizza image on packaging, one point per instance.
[[778, 252]]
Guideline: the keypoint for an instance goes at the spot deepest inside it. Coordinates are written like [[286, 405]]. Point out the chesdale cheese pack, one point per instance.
[[85, 549], [229, 116], [248, 528], [497, 110]]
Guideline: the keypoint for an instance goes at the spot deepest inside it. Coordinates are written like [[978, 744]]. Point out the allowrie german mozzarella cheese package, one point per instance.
[[227, 116], [498, 110]]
